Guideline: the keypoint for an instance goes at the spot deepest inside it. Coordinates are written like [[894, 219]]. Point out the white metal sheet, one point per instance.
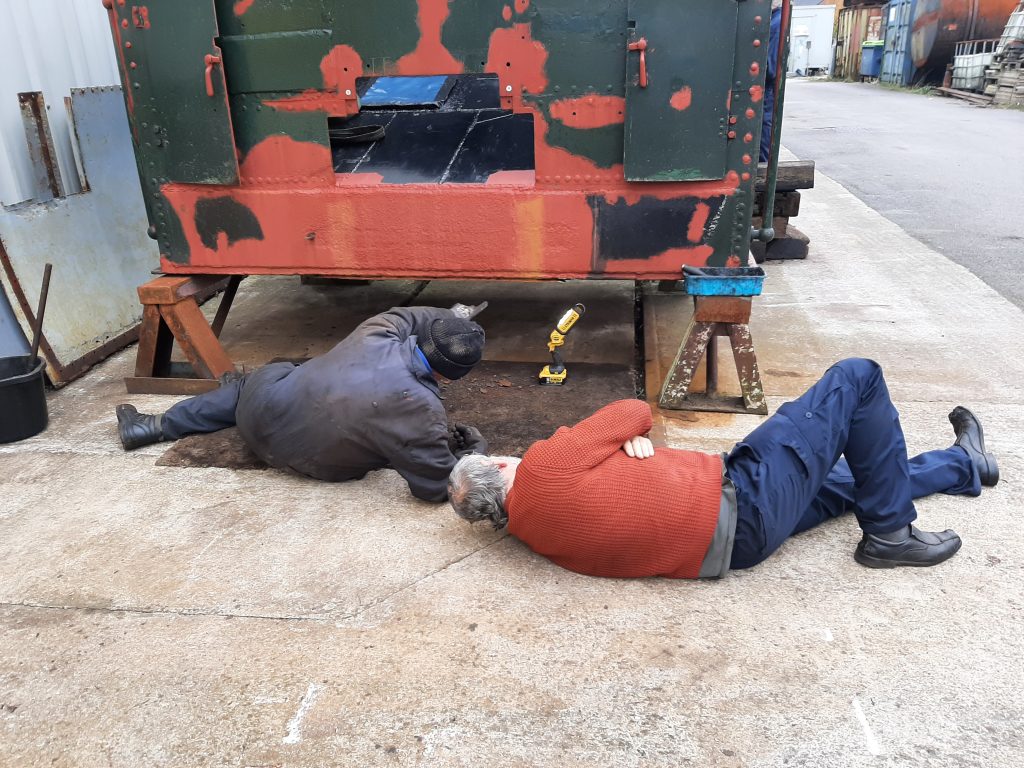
[[96, 240], [50, 46]]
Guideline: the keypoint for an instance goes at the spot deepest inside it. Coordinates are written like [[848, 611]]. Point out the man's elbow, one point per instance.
[[430, 493]]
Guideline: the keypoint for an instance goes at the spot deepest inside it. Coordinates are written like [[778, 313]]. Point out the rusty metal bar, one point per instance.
[[37, 325], [40, 145], [767, 232], [226, 300]]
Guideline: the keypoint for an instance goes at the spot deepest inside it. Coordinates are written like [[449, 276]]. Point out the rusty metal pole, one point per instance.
[[767, 231], [37, 325]]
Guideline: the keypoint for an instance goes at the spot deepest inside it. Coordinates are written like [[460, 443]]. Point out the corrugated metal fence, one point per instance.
[[49, 46]]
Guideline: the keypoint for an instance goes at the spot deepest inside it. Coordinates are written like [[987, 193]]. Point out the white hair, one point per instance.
[[476, 490]]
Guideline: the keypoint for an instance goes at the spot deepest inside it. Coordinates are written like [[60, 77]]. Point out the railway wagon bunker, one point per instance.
[[430, 139]]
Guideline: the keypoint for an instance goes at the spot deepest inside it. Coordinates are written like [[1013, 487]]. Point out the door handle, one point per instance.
[[210, 61], [641, 45]]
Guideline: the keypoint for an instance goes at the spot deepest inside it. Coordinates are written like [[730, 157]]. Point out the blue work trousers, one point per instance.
[[789, 476], [208, 412], [218, 409]]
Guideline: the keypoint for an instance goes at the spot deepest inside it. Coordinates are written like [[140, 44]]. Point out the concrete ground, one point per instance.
[[155, 616]]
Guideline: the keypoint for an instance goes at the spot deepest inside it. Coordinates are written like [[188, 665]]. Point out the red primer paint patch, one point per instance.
[[241, 6], [506, 13], [340, 68], [512, 50], [695, 232], [357, 179], [632, 193], [283, 160], [390, 217], [557, 163], [513, 178], [682, 98], [756, 92], [121, 45], [662, 263], [591, 111], [315, 101], [430, 56], [522, 5]]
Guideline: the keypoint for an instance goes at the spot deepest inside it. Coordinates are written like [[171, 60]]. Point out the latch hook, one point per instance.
[[210, 60], [641, 45]]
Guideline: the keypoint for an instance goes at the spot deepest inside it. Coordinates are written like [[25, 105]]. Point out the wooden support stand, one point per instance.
[[171, 313], [789, 242], [715, 316]]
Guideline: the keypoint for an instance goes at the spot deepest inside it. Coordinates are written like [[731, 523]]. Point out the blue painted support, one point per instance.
[[723, 281], [717, 313]]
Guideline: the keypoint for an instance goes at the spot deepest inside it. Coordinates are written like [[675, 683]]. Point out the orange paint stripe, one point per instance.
[[589, 111]]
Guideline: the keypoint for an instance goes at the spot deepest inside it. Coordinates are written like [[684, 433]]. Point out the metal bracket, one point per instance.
[[715, 316]]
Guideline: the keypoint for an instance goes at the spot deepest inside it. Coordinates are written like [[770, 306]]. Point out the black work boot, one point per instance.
[[971, 438], [907, 546], [137, 429]]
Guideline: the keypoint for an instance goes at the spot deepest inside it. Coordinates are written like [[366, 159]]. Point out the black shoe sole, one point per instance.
[[988, 470], [880, 562]]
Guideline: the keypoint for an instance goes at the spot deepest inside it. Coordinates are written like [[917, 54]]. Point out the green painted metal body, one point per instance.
[[604, 144], [663, 143]]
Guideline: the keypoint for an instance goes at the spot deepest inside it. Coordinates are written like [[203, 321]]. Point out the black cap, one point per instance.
[[453, 346]]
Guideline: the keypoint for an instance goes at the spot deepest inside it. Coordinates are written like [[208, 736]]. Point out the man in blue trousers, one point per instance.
[[771, 72], [789, 477], [625, 509]]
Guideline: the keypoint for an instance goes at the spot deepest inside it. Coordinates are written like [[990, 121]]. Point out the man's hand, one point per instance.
[[468, 439], [638, 447]]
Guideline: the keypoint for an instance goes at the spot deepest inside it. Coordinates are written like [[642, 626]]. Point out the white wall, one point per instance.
[[49, 46], [811, 24]]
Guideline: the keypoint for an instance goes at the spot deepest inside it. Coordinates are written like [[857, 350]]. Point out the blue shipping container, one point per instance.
[[897, 62]]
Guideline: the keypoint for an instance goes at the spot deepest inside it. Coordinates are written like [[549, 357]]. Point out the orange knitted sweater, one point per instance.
[[580, 501]]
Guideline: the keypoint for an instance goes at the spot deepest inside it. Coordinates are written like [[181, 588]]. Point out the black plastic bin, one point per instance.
[[22, 398]]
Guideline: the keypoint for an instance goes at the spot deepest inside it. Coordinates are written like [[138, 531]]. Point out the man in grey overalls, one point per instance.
[[371, 402]]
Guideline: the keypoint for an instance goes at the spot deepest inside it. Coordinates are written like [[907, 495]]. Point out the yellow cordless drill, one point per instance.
[[556, 373]]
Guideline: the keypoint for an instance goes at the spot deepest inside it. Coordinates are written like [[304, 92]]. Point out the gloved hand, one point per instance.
[[467, 439], [468, 311]]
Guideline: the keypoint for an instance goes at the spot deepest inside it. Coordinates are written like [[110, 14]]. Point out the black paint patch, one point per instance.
[[500, 141], [435, 147], [646, 228], [224, 214], [473, 92]]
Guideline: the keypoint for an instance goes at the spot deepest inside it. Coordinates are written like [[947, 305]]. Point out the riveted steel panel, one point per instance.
[[282, 61], [175, 92], [677, 108]]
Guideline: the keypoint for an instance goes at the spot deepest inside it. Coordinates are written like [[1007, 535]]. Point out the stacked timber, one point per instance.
[[1004, 79], [1008, 78]]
